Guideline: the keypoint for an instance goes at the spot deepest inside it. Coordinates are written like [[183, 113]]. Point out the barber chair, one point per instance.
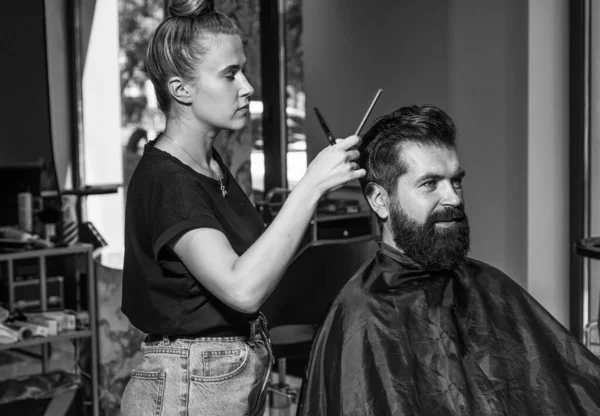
[[301, 300], [590, 248]]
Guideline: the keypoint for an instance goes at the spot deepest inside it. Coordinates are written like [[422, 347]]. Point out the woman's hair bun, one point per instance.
[[191, 8]]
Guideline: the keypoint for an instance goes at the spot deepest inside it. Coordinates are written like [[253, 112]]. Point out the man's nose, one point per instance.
[[452, 196]]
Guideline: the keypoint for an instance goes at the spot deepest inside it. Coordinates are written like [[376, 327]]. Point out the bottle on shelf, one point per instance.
[[25, 206]]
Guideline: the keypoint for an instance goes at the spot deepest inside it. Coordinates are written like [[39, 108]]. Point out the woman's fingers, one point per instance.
[[348, 142], [358, 173], [352, 154], [336, 165]]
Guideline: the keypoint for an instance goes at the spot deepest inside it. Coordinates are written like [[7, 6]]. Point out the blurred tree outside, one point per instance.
[[137, 20], [140, 119], [293, 44]]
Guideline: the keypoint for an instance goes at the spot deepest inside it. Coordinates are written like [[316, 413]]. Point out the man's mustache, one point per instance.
[[448, 214]]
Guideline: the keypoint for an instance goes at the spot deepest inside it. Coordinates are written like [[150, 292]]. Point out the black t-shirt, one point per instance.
[[165, 199]]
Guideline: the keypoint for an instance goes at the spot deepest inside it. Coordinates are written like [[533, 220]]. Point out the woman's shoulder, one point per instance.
[[159, 166], [157, 176]]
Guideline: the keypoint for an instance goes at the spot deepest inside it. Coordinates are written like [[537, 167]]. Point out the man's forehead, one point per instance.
[[424, 159]]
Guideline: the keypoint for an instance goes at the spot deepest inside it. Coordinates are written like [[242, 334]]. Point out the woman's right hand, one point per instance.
[[334, 166]]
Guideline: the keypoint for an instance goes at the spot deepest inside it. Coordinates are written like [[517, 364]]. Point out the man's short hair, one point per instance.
[[381, 147]]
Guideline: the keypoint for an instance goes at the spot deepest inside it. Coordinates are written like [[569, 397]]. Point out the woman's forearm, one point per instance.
[[261, 267]]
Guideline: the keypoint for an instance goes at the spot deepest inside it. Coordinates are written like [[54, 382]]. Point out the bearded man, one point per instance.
[[422, 329]]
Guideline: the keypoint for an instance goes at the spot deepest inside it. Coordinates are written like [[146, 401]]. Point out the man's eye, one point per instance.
[[457, 183], [430, 184]]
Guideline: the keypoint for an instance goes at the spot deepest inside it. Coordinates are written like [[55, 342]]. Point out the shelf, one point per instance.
[[94, 190], [85, 333], [80, 256], [46, 252], [588, 247], [28, 282], [339, 217]]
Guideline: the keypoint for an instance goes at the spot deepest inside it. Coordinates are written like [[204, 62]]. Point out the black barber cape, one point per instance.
[[400, 341]]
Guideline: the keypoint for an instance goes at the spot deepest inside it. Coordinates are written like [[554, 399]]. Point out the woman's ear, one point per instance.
[[179, 90], [378, 199]]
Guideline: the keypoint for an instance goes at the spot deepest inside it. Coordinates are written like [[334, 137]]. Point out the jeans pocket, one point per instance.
[[222, 376], [144, 393], [221, 364]]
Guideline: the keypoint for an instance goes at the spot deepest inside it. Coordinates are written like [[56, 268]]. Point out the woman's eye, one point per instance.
[[230, 77]]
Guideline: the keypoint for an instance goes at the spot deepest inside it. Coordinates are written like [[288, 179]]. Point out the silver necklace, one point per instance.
[[223, 190]]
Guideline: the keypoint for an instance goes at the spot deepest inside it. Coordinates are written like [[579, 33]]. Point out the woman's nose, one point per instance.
[[247, 90]]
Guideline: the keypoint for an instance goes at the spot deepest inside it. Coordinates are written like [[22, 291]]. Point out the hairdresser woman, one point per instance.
[[198, 261]]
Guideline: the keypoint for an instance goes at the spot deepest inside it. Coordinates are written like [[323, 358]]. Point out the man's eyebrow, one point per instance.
[[428, 177], [460, 173]]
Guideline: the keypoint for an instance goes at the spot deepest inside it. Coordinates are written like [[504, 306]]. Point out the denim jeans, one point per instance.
[[201, 376]]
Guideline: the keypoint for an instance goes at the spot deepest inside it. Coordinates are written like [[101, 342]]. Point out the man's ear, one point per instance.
[[179, 90], [378, 199]]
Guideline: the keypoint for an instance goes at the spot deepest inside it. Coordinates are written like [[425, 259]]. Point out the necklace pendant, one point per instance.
[[223, 191]]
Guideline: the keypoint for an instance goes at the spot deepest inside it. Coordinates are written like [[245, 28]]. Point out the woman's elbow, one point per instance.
[[249, 309], [246, 303]]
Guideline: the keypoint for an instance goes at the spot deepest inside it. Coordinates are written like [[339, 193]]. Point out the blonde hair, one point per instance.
[[176, 47]]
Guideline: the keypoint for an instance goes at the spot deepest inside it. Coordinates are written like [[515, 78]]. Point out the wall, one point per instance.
[[57, 41], [548, 162], [352, 49], [488, 101]]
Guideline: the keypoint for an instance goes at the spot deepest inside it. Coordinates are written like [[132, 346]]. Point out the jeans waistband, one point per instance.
[[248, 330]]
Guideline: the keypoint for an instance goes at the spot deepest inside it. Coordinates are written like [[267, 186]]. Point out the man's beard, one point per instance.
[[434, 248]]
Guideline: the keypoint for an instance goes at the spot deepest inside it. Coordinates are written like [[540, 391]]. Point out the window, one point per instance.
[[292, 71], [295, 98]]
